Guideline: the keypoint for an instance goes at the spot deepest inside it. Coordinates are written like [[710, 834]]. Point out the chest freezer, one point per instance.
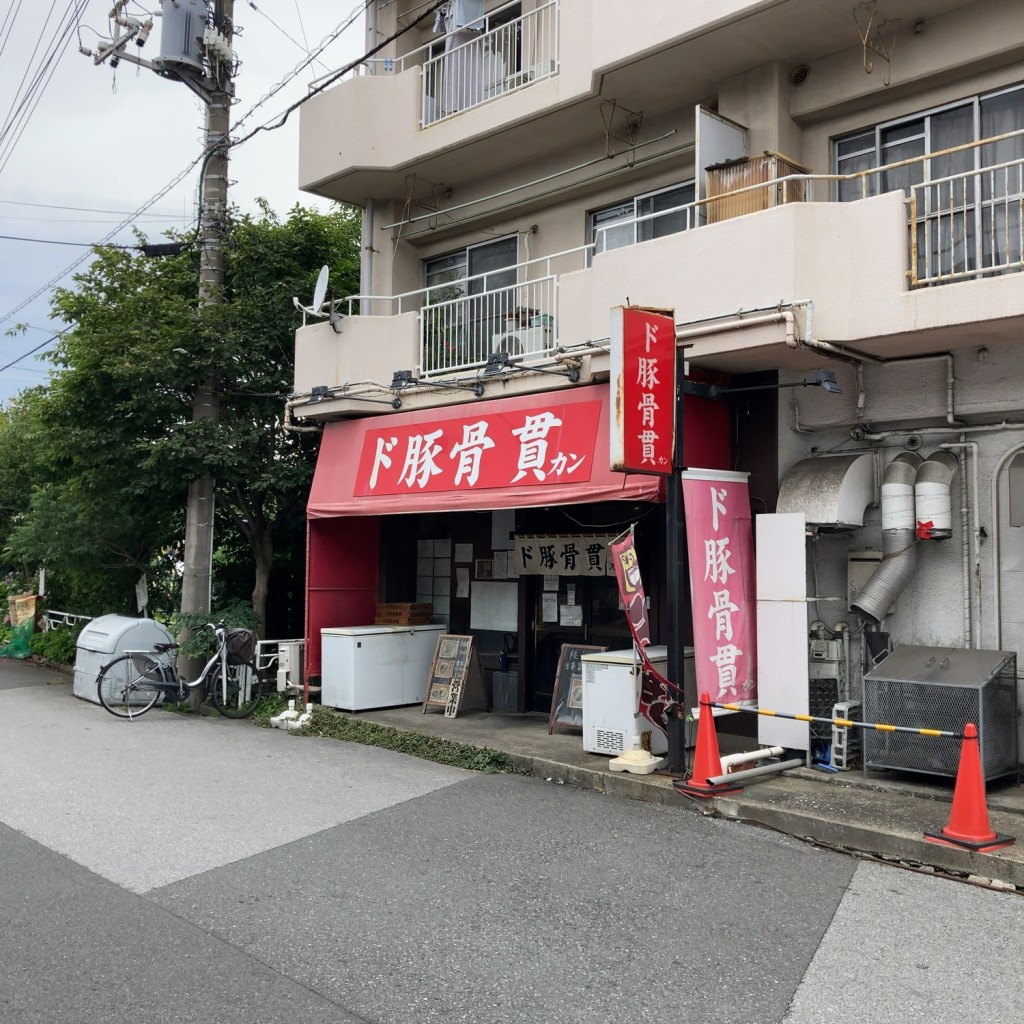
[[611, 699], [368, 667]]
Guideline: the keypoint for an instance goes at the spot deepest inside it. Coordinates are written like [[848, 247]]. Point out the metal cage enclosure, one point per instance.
[[942, 688]]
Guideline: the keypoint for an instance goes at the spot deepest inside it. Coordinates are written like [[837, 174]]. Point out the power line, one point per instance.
[[327, 82], [57, 241], [202, 156]]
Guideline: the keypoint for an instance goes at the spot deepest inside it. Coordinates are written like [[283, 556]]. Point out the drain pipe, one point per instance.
[[899, 550], [970, 499], [751, 773]]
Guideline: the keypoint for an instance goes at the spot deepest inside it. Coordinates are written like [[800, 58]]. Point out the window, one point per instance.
[[970, 218], [652, 215], [469, 294]]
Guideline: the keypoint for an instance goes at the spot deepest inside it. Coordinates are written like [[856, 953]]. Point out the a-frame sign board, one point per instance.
[[456, 680]]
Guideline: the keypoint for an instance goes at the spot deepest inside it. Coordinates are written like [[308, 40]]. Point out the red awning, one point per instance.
[[507, 453]]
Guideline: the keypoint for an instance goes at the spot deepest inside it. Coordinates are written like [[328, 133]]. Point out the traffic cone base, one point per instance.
[[707, 762], [968, 826], [997, 842], [689, 787]]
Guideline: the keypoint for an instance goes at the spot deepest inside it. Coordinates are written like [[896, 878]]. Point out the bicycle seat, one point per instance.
[[164, 648]]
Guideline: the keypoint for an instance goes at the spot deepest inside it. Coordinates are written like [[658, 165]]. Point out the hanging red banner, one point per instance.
[[643, 386], [655, 690], [721, 553]]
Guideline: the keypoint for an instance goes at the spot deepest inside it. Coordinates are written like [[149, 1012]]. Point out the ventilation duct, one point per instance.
[[832, 491], [932, 492], [899, 540]]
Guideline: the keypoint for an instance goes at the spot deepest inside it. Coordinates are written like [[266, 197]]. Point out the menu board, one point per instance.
[[456, 681], [567, 693]]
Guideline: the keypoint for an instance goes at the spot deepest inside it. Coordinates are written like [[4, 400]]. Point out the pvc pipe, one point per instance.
[[765, 769], [750, 755]]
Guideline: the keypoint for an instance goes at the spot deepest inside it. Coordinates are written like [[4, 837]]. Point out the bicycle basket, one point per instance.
[[241, 645], [151, 669]]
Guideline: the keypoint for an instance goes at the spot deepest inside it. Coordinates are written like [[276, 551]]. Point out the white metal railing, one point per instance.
[[457, 74], [968, 225], [963, 225], [476, 68], [54, 619]]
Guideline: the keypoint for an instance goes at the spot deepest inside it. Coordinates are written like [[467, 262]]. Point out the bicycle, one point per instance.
[[130, 684]]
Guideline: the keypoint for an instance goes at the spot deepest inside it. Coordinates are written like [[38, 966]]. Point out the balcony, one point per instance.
[[891, 273]]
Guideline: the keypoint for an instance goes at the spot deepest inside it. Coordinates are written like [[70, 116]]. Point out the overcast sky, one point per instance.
[[81, 153]]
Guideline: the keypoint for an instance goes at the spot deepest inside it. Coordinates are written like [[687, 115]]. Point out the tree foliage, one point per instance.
[[94, 468]]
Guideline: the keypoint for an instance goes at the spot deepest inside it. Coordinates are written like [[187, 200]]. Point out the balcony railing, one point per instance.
[[502, 59], [462, 70], [965, 225]]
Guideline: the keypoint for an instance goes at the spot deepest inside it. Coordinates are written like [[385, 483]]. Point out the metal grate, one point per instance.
[[937, 688], [610, 741], [822, 696]]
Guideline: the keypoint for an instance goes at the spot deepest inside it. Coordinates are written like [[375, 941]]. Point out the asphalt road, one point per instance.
[[180, 869]]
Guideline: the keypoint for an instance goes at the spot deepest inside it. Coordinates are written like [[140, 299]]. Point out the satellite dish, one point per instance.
[[321, 290], [319, 293]]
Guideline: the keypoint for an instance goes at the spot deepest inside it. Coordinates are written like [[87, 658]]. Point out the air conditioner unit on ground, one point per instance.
[[523, 341], [289, 664]]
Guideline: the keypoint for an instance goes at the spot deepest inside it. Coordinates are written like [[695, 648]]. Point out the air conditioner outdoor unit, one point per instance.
[[523, 341]]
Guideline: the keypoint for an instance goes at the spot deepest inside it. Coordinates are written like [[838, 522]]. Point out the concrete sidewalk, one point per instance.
[[882, 814]]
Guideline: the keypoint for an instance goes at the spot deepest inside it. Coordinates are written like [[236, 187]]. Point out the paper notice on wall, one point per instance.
[[549, 607], [462, 582], [571, 615], [500, 566], [464, 553], [551, 582]]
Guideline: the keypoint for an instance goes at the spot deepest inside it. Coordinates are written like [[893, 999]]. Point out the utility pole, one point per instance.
[[195, 49]]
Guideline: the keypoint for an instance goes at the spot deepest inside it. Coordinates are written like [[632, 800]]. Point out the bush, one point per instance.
[[56, 645], [201, 644]]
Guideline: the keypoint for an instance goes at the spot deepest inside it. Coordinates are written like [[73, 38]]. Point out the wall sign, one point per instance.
[[584, 554], [546, 444]]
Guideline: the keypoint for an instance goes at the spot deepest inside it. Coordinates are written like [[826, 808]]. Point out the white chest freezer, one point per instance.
[[611, 700], [366, 667]]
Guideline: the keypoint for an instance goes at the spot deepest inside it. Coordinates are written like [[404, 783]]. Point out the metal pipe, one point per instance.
[[765, 769], [750, 755], [535, 181], [972, 498], [899, 544], [997, 618]]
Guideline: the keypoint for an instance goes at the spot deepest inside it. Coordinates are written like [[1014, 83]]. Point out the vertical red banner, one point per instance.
[[643, 384], [654, 688], [720, 544]]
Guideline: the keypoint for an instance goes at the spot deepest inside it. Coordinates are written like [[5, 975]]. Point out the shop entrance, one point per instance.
[[583, 610]]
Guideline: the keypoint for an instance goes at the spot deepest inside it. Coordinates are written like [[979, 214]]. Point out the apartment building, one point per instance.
[[822, 191]]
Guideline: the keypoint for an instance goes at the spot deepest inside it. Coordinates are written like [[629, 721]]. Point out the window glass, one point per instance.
[[670, 223]]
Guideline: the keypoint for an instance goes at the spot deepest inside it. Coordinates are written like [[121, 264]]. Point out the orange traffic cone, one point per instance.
[[968, 822], [707, 762]]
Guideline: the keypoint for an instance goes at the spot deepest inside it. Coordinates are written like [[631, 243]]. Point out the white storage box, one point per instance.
[[376, 666], [103, 639], [611, 699]]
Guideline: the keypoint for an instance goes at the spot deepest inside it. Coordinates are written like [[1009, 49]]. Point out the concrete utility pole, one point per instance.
[[195, 48]]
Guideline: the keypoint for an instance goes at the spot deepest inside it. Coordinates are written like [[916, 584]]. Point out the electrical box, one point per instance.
[[289, 664]]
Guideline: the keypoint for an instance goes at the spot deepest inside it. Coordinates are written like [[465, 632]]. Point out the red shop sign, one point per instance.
[[643, 380], [544, 444]]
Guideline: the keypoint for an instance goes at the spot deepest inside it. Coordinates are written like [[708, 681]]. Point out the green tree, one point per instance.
[[113, 444]]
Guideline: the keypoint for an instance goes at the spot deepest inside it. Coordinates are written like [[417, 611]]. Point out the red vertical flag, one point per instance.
[[654, 688]]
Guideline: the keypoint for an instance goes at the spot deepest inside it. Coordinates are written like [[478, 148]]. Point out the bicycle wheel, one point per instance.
[[244, 689], [123, 690]]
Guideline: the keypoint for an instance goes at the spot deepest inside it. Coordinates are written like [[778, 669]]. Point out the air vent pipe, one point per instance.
[[899, 551], [932, 491]]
